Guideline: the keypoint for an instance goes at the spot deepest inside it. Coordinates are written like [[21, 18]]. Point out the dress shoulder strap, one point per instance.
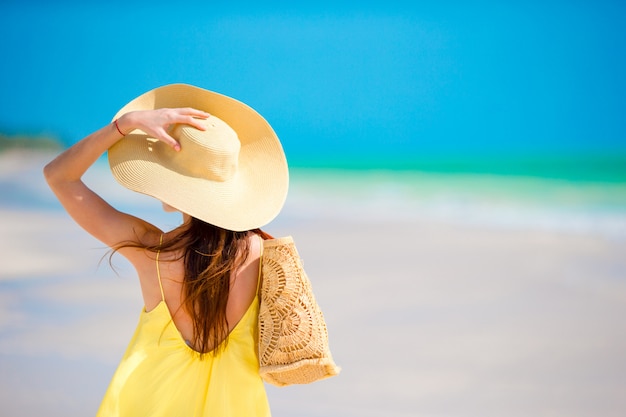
[[260, 277], [157, 268]]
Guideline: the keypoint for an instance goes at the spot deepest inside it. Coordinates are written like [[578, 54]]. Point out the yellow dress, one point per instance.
[[161, 376]]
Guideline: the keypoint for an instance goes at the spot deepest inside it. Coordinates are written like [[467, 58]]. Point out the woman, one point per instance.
[[220, 164]]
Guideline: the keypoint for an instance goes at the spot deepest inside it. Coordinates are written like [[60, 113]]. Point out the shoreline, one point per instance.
[[482, 201]]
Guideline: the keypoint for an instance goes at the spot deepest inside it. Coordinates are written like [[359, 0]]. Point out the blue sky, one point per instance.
[[451, 78]]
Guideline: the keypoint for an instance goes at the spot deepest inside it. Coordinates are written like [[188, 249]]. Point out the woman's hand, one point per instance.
[[157, 122]]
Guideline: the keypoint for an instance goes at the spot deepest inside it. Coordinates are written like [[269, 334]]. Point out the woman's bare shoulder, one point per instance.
[[148, 236]]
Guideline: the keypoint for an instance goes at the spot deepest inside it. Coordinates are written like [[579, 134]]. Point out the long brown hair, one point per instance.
[[210, 255]]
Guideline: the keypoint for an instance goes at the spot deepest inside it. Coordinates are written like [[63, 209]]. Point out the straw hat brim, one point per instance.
[[250, 199]]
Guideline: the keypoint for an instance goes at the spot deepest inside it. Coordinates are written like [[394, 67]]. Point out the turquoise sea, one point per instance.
[[573, 196]]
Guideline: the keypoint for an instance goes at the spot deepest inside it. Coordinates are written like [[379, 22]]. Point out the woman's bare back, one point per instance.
[[243, 286]]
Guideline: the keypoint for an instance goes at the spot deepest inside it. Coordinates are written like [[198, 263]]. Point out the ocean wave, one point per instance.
[[504, 202]]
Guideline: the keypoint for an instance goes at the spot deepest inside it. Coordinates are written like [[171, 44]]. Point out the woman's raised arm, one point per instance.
[[90, 211]]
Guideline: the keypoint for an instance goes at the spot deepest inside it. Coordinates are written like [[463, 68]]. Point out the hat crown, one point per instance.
[[212, 154]]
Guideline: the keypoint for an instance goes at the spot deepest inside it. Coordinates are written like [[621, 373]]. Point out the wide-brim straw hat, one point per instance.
[[234, 175]]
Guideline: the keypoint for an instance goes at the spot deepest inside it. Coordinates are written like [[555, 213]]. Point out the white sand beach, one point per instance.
[[426, 317]]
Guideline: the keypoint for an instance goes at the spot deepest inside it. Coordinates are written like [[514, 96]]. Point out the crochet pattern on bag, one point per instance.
[[293, 338]]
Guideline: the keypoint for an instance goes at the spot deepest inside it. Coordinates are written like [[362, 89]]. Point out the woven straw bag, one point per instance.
[[293, 339]]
